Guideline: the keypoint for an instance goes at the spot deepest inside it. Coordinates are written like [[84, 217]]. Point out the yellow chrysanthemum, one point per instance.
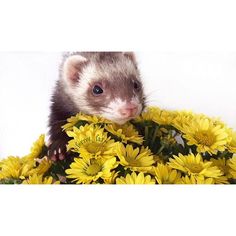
[[19, 168], [125, 132], [206, 136], [218, 122], [72, 121], [161, 117], [194, 165], [41, 166], [182, 118], [36, 149], [39, 179], [231, 146], [196, 180], [147, 115], [86, 170], [223, 165], [221, 180], [136, 159], [12, 168], [38, 145], [166, 175], [112, 178], [135, 179], [91, 141], [232, 165]]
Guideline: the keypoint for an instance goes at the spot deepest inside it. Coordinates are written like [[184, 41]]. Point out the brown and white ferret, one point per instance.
[[107, 84]]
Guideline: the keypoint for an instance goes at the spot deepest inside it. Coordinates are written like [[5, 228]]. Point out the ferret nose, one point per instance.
[[128, 111]]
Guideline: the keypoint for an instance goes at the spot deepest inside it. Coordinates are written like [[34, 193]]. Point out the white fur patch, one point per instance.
[[78, 91], [112, 111]]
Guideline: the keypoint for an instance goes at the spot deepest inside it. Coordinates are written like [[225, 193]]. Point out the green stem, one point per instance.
[[146, 134], [160, 149], [154, 136]]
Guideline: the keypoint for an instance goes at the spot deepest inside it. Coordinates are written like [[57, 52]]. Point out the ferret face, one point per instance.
[[105, 84]]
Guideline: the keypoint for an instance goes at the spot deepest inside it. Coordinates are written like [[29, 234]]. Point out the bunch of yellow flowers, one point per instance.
[[158, 147]]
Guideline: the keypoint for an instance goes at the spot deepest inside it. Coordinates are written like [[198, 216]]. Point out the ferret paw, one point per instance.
[[57, 151]]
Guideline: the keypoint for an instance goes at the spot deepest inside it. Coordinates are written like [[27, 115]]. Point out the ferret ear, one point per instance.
[[73, 66]]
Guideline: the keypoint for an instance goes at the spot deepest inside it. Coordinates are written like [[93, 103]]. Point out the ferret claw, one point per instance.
[[57, 150]]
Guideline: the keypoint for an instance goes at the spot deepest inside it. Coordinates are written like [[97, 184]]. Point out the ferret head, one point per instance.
[[105, 84]]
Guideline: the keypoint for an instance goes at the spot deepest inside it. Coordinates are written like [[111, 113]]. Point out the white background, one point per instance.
[[202, 82], [170, 26]]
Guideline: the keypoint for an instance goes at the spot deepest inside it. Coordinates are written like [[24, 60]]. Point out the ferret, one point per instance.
[[107, 84]]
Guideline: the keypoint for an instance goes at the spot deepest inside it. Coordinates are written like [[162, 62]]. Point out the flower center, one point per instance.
[[128, 132], [135, 162], [205, 138], [93, 169], [195, 168], [95, 147]]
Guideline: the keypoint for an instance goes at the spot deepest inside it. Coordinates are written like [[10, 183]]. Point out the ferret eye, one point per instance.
[[97, 90], [136, 86]]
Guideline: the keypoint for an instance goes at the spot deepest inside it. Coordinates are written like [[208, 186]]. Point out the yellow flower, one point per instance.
[[136, 159], [194, 165], [11, 168], [38, 145], [72, 121], [15, 167], [39, 179], [162, 117], [166, 175], [231, 146], [206, 136], [147, 115], [86, 170], [222, 164], [19, 168], [125, 132], [196, 180], [112, 178], [91, 141], [42, 166], [182, 118], [36, 149], [135, 179], [232, 165], [221, 180]]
